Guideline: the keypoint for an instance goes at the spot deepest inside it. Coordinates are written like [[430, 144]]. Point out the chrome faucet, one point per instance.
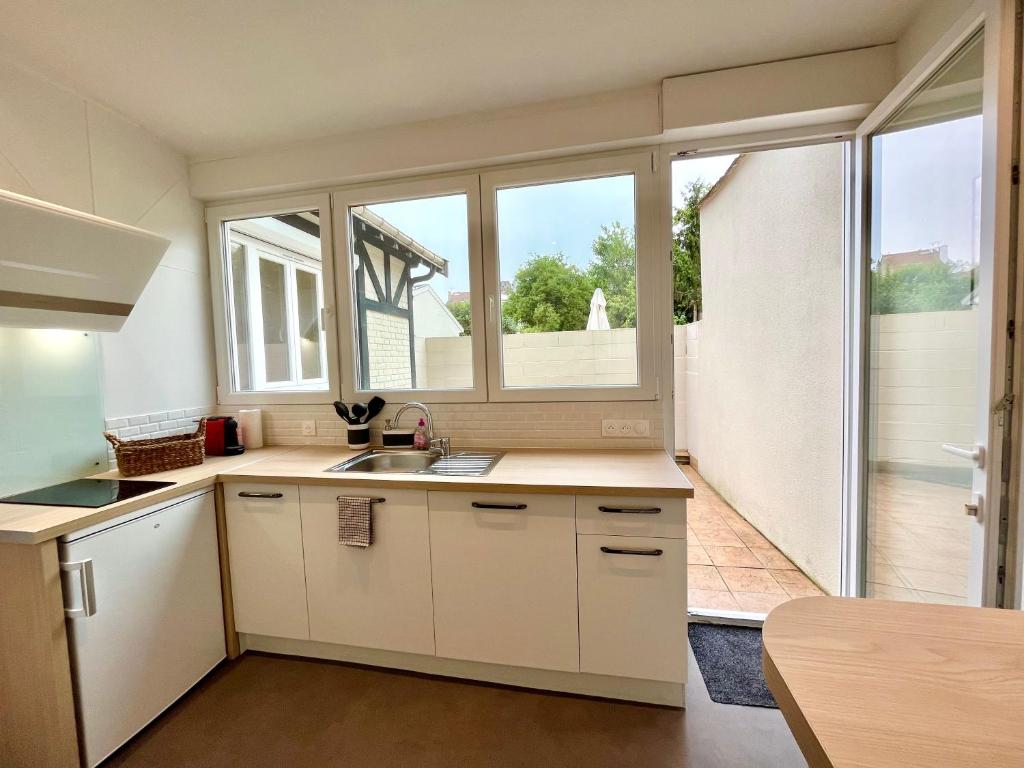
[[441, 444]]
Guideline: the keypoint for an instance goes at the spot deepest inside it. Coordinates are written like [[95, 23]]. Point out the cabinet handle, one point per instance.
[[261, 494], [631, 510], [643, 552], [482, 505]]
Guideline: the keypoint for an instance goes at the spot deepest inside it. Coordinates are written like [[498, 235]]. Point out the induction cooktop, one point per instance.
[[85, 493]]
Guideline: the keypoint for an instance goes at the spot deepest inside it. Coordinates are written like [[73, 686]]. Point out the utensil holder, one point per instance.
[[358, 435]]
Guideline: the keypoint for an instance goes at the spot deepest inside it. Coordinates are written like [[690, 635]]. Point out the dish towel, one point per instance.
[[355, 521]]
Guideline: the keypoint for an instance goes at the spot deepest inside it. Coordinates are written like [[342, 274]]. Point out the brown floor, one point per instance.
[[274, 711], [730, 565]]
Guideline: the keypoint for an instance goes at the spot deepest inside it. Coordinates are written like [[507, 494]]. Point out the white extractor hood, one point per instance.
[[61, 268]]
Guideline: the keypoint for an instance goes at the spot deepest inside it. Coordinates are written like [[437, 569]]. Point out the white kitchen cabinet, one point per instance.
[[377, 597], [504, 578], [268, 577], [631, 516], [632, 598]]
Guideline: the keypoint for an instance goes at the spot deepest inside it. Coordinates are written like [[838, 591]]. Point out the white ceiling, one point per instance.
[[215, 77]]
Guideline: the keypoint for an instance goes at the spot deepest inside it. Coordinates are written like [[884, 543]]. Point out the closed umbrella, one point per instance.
[[598, 320]]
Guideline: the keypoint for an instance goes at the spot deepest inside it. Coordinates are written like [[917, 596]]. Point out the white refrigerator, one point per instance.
[[145, 623]]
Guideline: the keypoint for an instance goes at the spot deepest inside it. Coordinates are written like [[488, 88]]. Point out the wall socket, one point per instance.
[[625, 428], [308, 428]]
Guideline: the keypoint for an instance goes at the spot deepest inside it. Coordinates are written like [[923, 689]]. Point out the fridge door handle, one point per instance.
[[86, 587]]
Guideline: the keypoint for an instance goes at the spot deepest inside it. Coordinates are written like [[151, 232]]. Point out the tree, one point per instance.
[[549, 295], [921, 288], [614, 272], [686, 290], [463, 312]]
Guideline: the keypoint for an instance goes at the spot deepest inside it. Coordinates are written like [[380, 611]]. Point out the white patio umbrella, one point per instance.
[[598, 320]]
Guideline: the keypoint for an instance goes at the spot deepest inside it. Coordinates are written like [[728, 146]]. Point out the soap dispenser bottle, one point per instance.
[[419, 440]]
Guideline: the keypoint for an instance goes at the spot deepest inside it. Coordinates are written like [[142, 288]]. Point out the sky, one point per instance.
[[927, 180], [562, 217]]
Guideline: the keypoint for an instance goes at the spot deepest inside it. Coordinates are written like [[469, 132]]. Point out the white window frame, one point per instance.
[[343, 200], [641, 165], [217, 219], [256, 250]]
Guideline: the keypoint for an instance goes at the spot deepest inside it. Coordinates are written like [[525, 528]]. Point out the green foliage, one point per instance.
[[933, 287], [686, 290], [549, 295], [614, 272], [463, 312]]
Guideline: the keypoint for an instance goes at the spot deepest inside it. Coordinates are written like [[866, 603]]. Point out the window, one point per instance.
[[272, 289], [525, 283], [415, 321], [568, 261]]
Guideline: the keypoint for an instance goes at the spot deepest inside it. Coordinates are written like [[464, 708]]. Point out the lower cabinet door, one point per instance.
[[377, 597], [504, 568], [632, 594], [268, 582]]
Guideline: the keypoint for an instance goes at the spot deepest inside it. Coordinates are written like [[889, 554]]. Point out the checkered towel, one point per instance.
[[355, 521]]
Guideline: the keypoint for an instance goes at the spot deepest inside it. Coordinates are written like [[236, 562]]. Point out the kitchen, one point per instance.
[[379, 453]]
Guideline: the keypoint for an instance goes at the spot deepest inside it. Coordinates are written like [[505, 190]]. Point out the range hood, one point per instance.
[[61, 268]]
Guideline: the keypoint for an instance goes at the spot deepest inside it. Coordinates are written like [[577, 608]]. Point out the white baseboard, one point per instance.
[[603, 686]]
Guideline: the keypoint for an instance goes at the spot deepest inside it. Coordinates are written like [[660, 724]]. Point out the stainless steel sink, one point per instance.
[[460, 463]]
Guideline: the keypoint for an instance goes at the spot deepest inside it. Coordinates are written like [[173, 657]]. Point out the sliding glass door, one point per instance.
[[929, 339]]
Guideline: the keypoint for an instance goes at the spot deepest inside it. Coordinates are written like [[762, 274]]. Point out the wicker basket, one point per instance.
[[143, 457]]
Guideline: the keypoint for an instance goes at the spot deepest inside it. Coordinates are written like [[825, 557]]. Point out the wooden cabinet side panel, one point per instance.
[[37, 714]]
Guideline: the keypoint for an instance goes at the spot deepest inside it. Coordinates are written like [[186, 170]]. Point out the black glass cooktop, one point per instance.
[[85, 493]]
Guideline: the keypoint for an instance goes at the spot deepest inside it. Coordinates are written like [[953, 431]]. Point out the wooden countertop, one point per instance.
[[879, 683], [619, 473]]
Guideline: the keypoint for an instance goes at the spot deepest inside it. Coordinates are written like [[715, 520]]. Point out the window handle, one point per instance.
[[491, 308], [324, 312]]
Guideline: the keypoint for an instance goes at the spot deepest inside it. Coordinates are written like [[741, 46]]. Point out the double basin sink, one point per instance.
[[384, 461]]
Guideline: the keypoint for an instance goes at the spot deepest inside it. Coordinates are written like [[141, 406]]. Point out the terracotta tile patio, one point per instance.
[[731, 566]]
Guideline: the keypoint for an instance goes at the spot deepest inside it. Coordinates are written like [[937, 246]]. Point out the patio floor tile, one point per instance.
[[704, 577], [750, 580], [713, 599], [696, 555], [740, 557]]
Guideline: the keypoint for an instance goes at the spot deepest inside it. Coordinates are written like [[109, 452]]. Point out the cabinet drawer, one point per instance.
[[377, 597], [504, 572], [631, 516], [632, 594], [268, 580]]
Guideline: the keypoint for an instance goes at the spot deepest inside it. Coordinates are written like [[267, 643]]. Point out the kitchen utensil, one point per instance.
[[342, 410], [375, 406], [358, 411]]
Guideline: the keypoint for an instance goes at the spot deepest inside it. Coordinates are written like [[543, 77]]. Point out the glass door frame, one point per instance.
[[995, 17]]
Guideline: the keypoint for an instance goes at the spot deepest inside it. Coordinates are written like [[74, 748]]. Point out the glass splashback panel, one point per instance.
[[51, 408]]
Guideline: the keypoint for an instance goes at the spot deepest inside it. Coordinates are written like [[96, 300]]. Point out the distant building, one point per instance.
[[892, 262], [455, 297]]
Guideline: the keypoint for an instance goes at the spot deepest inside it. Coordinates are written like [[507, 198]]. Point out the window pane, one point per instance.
[[926, 321], [240, 316], [275, 289], [567, 260], [309, 324], [410, 270], [275, 320]]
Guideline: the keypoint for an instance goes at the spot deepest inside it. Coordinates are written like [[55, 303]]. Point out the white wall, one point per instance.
[[768, 400], [59, 147]]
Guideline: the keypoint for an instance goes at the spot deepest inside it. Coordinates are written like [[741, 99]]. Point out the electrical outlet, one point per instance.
[[308, 428], [625, 427]]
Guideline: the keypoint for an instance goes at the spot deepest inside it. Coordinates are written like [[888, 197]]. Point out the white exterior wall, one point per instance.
[[767, 404], [59, 147]]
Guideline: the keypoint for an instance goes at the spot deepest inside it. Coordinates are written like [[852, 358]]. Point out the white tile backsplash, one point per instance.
[[477, 425]]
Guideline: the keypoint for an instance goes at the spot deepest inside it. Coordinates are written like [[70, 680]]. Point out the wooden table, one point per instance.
[[880, 683]]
